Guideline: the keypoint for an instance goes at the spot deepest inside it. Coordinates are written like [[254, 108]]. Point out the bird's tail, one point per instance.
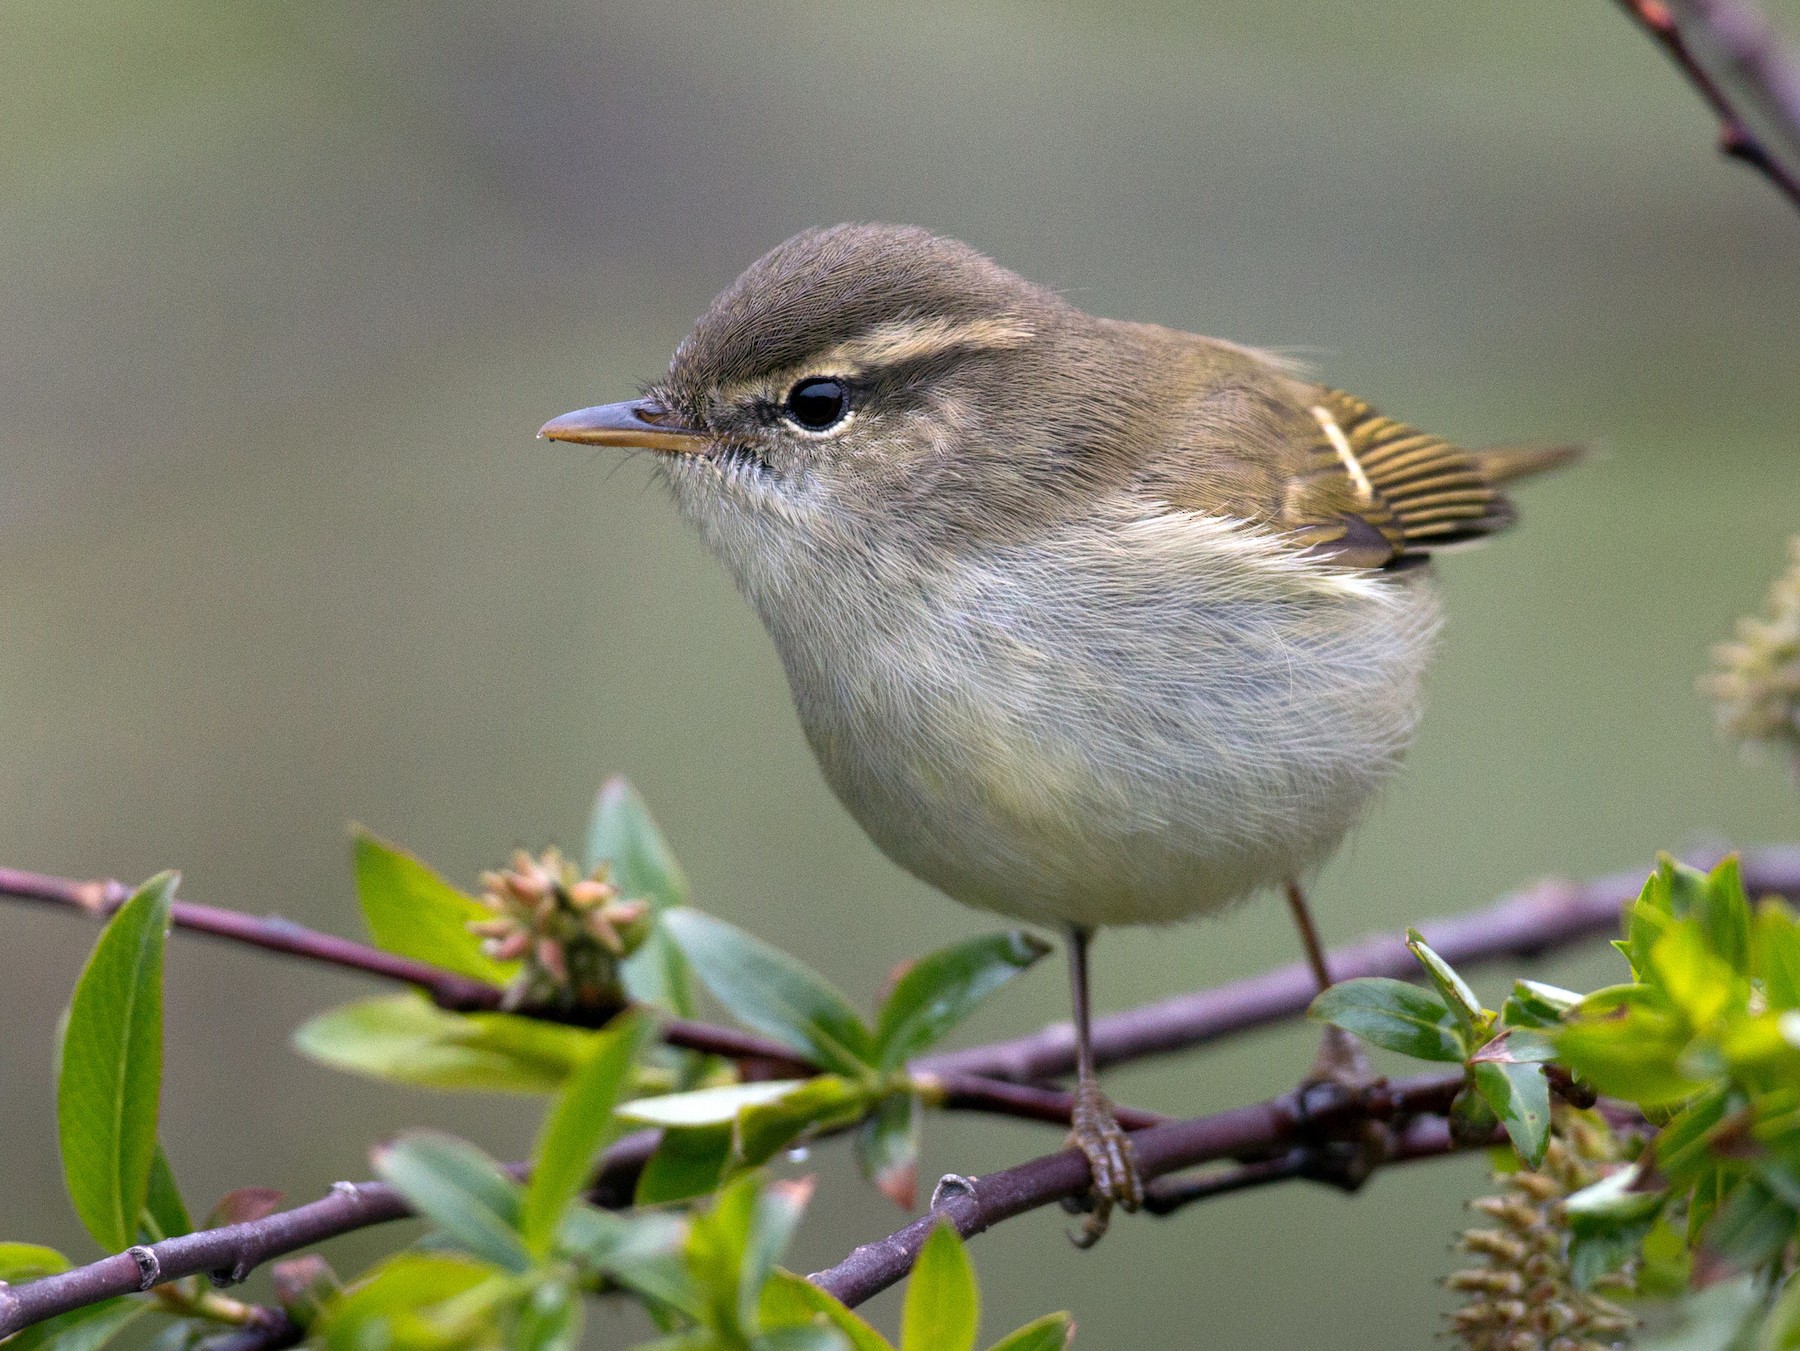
[[1503, 464]]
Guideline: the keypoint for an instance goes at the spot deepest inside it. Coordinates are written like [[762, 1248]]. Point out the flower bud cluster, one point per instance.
[[1521, 1296], [568, 932], [1755, 681]]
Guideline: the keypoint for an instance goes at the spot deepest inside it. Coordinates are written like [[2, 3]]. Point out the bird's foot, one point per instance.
[[1344, 1158], [1112, 1164]]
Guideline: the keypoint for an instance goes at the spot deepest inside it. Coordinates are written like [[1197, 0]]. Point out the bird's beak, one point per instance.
[[641, 423]]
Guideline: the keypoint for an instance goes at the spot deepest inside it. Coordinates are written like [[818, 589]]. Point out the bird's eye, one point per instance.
[[817, 403]]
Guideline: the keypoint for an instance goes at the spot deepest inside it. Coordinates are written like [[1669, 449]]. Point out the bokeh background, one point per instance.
[[286, 289]]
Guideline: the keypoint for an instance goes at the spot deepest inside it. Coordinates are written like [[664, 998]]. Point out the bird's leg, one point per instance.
[[1341, 1060], [1096, 1131], [1342, 1162]]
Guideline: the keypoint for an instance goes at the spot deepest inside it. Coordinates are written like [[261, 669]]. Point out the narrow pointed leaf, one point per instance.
[[768, 990], [789, 1299], [84, 1329], [110, 1079], [1052, 1332], [406, 1039], [887, 1149], [165, 1214], [579, 1125], [460, 1190], [412, 911], [943, 1308], [1776, 945], [823, 1103], [623, 835], [1520, 1096], [1392, 1014], [21, 1262], [690, 1161], [779, 1206], [708, 1106], [1457, 995], [940, 990]]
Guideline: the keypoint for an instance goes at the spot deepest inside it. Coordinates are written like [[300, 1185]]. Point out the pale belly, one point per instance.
[[1115, 744]]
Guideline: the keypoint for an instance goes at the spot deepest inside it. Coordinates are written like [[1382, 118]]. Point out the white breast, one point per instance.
[[1130, 723]]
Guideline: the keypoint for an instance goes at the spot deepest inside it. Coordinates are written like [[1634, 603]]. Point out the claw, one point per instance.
[[1346, 1160], [1112, 1163]]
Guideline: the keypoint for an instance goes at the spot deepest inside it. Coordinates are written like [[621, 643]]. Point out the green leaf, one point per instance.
[[1775, 945], [549, 1319], [110, 1079], [1696, 981], [391, 1299], [165, 1215], [1533, 1004], [776, 1215], [1682, 1153], [689, 1162], [814, 1337], [642, 1251], [939, 991], [1520, 1096], [406, 1039], [460, 1190], [1724, 912], [768, 990], [413, 912], [1608, 1222], [1781, 1330], [823, 1103], [579, 1125], [21, 1262], [1052, 1332], [1752, 1225], [943, 1308], [622, 834], [788, 1299], [1631, 1052], [1392, 1014], [1713, 1319], [708, 1106], [84, 1329], [887, 1148], [1457, 995]]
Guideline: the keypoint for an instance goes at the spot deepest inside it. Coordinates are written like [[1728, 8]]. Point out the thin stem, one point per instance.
[[1759, 67]]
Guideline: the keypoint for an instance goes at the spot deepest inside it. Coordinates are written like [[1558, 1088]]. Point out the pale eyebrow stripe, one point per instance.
[[903, 340], [1341, 444]]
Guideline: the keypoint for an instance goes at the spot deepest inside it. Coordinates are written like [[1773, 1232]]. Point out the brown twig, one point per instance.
[[228, 1254], [1546, 917], [1758, 69], [976, 1204]]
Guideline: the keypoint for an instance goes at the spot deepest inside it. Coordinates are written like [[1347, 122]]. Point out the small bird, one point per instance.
[[1087, 622]]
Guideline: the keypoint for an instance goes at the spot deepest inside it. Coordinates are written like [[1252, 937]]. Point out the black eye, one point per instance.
[[817, 403]]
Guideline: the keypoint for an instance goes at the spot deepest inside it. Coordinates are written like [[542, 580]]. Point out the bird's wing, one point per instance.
[[1372, 492]]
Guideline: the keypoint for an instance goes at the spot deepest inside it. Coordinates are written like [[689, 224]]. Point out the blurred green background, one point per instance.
[[285, 291]]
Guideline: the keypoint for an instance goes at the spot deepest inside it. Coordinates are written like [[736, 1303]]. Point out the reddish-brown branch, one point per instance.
[[977, 1204], [1546, 917], [230, 1253], [1760, 69]]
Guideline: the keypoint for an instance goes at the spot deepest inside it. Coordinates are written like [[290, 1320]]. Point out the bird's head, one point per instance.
[[865, 377]]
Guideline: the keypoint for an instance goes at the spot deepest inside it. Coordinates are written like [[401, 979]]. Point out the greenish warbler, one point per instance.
[[1088, 622]]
